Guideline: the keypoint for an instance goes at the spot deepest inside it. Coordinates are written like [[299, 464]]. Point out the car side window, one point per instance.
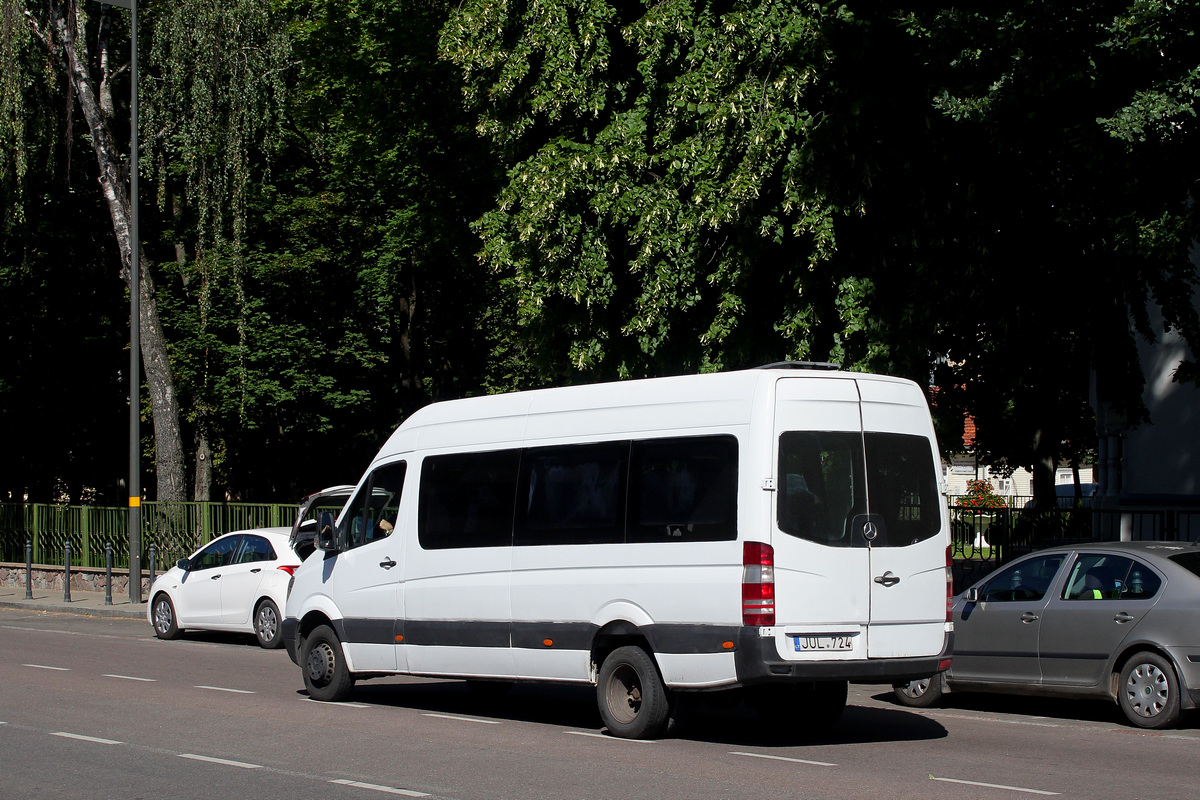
[[1097, 576], [218, 554], [1142, 583], [1025, 581], [254, 549]]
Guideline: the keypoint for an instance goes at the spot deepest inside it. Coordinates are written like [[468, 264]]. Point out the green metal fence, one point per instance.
[[175, 530]]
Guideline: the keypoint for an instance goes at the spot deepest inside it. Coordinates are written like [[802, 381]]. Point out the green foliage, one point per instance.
[[662, 162]]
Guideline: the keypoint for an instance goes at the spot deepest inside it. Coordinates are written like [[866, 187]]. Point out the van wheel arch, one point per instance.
[[619, 633]]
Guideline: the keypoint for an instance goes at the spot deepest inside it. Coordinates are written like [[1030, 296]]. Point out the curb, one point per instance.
[[82, 610]]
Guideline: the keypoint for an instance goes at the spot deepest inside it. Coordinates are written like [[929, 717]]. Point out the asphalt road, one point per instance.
[[98, 708]]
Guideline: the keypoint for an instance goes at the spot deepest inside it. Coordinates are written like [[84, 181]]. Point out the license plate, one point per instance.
[[826, 642]]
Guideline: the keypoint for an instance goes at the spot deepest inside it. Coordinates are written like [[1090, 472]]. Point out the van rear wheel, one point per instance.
[[799, 707], [631, 695], [325, 673]]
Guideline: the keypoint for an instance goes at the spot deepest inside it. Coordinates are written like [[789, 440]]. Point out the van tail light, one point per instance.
[[290, 569], [758, 584], [949, 587]]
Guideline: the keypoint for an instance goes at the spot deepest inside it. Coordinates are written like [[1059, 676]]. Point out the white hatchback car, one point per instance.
[[238, 582]]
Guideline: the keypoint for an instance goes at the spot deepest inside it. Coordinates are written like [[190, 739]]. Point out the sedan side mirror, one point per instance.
[[972, 595], [184, 564]]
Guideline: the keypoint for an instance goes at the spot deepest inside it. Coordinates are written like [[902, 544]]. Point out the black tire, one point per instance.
[[826, 701], [1148, 692], [490, 690], [163, 614], [792, 708], [920, 693], [324, 666], [268, 625], [632, 698]]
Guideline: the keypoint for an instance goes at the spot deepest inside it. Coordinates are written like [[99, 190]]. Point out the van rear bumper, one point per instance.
[[758, 662]]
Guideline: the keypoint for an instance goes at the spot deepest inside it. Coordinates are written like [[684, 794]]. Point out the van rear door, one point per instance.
[[859, 562]]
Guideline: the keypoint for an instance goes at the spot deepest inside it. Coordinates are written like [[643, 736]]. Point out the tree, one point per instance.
[[56, 27], [209, 95], [990, 195]]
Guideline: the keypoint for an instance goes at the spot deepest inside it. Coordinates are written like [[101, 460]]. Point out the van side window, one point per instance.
[[468, 500], [683, 489], [821, 485], [572, 495], [371, 514]]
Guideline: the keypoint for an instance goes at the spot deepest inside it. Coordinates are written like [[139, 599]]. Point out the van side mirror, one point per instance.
[[184, 564], [327, 539], [972, 595]]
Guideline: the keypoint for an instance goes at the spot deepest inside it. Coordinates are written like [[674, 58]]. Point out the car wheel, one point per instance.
[[921, 693], [165, 626], [1149, 691], [325, 673], [268, 626], [632, 699]]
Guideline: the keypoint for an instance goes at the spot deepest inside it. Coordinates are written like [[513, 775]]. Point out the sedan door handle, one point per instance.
[[1029, 616], [257, 569], [887, 579], [216, 577], [387, 562], [1123, 617]]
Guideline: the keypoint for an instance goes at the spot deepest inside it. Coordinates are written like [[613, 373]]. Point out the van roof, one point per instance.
[[712, 400]]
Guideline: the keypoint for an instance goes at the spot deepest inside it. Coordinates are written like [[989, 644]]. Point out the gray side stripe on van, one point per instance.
[[668, 638]]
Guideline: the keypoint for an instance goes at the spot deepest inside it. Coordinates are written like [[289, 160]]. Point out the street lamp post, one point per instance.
[[135, 364]]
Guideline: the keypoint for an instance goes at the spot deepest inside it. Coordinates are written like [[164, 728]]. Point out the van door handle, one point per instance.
[[887, 579], [1123, 617], [387, 562], [1029, 616]]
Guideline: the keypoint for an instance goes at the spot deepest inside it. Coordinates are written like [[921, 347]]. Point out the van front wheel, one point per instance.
[[633, 701], [325, 674]]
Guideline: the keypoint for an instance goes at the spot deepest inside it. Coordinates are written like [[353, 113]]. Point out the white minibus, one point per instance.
[[781, 529]]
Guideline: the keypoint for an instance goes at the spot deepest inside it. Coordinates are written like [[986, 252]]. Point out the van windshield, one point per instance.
[[830, 480]]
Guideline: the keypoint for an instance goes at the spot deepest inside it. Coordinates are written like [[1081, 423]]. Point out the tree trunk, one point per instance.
[[203, 487], [164, 405]]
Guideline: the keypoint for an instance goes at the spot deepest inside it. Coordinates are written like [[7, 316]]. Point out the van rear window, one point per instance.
[[831, 483]]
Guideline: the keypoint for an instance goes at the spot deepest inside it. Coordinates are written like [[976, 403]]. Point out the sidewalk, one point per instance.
[[86, 603]]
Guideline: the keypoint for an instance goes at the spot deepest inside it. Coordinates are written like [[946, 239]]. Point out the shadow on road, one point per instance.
[[707, 718], [1049, 708]]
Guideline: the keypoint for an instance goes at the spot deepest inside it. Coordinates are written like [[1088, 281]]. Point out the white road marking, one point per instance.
[[782, 758], [377, 788], [994, 786], [133, 678], [224, 761], [337, 705], [464, 719], [43, 666], [610, 738], [223, 689], [83, 738]]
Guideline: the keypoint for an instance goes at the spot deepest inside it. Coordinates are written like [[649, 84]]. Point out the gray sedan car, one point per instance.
[[1118, 619]]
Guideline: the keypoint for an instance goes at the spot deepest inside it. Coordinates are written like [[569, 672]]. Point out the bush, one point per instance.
[[980, 494]]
